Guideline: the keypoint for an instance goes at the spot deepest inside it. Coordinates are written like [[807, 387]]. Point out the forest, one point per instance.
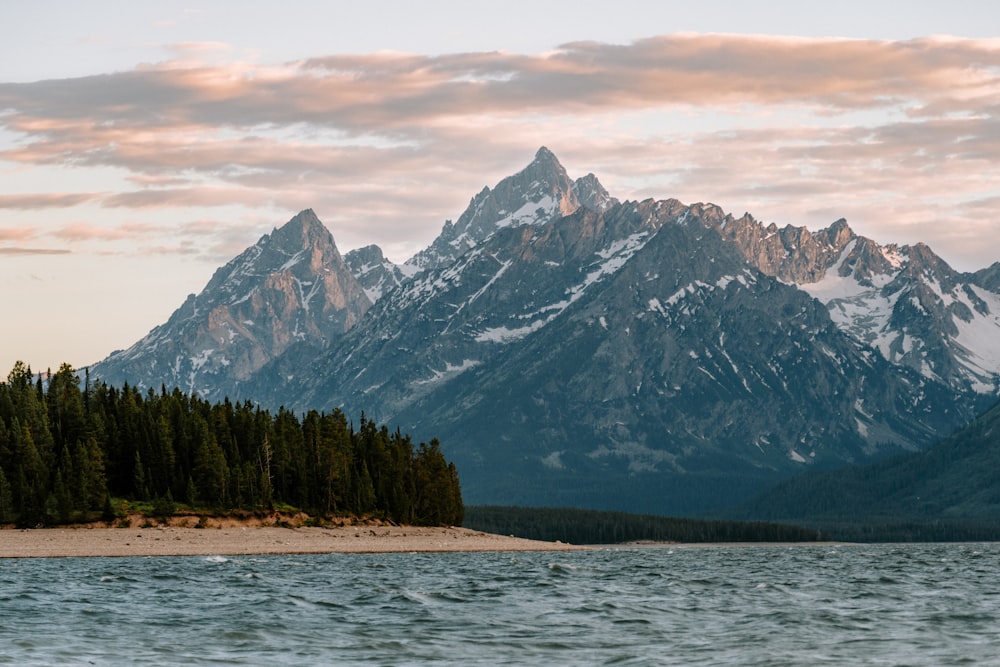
[[68, 451], [580, 526]]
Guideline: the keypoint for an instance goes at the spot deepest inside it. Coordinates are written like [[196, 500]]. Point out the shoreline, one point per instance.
[[77, 542]]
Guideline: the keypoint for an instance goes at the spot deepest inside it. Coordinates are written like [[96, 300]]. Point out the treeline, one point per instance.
[[578, 526], [67, 450], [903, 530]]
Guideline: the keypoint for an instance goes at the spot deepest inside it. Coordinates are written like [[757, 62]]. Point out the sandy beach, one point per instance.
[[247, 540]]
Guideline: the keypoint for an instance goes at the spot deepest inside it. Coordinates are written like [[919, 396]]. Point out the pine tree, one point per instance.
[[64, 452], [6, 499], [139, 478], [31, 489], [210, 472]]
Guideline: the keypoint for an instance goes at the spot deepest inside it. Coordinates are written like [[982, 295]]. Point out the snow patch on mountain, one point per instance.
[[532, 212], [979, 338], [611, 260], [508, 335], [450, 371]]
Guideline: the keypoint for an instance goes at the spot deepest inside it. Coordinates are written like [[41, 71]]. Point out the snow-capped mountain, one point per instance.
[[535, 195], [624, 355], [571, 349], [290, 288], [904, 301]]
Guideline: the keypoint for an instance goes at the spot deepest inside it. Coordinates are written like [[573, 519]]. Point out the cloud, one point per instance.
[[81, 231], [389, 144], [17, 233], [388, 92], [187, 197], [34, 201], [33, 251]]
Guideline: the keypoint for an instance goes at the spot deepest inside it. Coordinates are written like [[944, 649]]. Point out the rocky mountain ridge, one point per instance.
[[291, 287], [904, 301], [536, 194], [572, 349], [633, 351]]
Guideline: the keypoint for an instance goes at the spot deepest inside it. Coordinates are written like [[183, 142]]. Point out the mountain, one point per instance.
[[628, 357], [373, 271], [570, 349], [290, 289], [535, 195], [956, 480], [906, 302]]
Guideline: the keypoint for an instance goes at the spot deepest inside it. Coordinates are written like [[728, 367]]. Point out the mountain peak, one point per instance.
[[543, 154], [291, 287], [373, 271], [545, 171], [305, 225], [591, 194], [305, 218], [535, 195]]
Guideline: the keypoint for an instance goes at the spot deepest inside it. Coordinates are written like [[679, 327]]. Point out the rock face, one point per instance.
[[290, 288], [989, 278]]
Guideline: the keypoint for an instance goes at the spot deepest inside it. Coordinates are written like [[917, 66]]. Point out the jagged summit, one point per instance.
[[591, 194], [305, 223], [535, 195], [290, 287], [544, 156], [905, 301], [303, 238]]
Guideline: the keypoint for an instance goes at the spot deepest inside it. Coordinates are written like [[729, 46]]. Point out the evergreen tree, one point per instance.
[[6, 499], [31, 490], [65, 453], [210, 472]]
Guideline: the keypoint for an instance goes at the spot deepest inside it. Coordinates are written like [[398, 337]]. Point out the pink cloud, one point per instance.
[[31, 201], [379, 92], [17, 233], [187, 197], [390, 144], [81, 231], [33, 251]]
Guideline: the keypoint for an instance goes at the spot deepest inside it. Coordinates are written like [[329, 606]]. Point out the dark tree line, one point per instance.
[[580, 526], [66, 450]]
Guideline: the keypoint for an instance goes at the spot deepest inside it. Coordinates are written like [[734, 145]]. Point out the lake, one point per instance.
[[923, 604]]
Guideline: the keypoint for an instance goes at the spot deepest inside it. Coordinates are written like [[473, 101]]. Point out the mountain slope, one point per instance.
[[624, 358], [956, 479], [291, 287]]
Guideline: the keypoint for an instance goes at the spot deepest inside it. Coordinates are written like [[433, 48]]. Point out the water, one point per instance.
[[791, 605]]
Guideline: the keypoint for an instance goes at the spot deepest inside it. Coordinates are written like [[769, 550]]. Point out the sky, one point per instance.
[[144, 145]]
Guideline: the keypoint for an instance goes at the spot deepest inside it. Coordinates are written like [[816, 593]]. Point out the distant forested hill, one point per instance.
[[578, 526], [66, 450], [955, 482]]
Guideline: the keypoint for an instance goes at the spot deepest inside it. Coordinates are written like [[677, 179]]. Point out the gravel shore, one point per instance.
[[227, 541]]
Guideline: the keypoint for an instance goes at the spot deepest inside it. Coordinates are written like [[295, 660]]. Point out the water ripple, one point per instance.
[[867, 604]]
